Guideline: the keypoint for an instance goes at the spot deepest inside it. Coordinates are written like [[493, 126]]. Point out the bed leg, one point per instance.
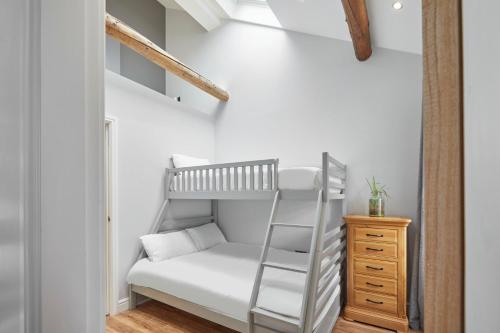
[[132, 298]]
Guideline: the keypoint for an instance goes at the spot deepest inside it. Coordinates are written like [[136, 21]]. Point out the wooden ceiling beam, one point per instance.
[[359, 27], [140, 44]]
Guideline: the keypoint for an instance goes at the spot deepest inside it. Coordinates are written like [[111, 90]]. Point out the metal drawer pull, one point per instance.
[[374, 235], [374, 302], [372, 249], [375, 268], [374, 285]]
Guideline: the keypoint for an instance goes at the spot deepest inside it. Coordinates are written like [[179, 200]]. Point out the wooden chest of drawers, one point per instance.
[[376, 283]]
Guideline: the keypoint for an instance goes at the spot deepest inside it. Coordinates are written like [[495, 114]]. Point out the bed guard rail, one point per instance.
[[258, 175], [334, 178]]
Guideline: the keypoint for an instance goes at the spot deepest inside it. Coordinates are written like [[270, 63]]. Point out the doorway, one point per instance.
[[109, 224]]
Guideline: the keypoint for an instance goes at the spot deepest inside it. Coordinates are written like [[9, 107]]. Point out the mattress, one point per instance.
[[296, 178], [222, 277]]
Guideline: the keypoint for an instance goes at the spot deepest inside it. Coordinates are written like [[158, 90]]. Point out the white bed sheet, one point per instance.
[[221, 278], [296, 178]]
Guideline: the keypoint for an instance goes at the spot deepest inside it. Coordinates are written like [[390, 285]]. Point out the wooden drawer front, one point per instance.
[[377, 302], [376, 284], [372, 267], [388, 250], [376, 234]]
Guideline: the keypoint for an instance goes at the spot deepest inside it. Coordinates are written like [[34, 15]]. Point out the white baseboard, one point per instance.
[[122, 305]]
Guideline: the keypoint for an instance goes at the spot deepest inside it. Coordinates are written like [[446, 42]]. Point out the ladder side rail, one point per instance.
[[315, 257], [260, 271], [162, 213], [325, 175], [318, 248], [336, 172]]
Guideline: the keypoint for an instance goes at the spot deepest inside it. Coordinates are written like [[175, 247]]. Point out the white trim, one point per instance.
[[260, 3], [122, 305], [113, 213], [30, 157], [72, 106], [94, 62]]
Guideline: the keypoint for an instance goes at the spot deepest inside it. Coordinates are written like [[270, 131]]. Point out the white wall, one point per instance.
[[482, 163], [294, 96], [149, 128], [148, 18]]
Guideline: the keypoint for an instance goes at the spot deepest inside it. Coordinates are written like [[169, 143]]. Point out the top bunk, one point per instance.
[[257, 180]]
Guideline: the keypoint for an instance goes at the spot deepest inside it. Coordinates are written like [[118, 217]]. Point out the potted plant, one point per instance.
[[377, 200]]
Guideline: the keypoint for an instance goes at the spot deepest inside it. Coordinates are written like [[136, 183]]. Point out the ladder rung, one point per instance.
[[274, 315], [291, 225], [292, 268]]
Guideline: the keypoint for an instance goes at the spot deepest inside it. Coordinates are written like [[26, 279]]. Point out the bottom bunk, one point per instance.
[[217, 283]]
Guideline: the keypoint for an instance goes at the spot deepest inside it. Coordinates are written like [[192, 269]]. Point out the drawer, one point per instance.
[[377, 302], [388, 250], [376, 284], [374, 267], [375, 234]]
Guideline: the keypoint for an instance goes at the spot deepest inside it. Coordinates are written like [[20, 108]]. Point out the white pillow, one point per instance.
[[164, 246], [182, 161], [206, 236]]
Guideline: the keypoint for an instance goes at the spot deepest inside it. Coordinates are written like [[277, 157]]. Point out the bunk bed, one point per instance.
[[249, 288]]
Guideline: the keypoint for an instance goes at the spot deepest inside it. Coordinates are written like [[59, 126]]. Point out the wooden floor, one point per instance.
[[154, 317]]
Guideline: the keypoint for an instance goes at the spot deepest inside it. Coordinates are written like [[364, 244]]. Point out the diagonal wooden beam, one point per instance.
[[359, 27], [140, 44]]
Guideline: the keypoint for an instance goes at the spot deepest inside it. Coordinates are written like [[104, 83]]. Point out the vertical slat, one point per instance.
[[183, 182], [275, 178], [244, 178], [195, 180], [252, 178], [228, 179], [221, 181], [176, 182], [261, 178], [207, 180], [235, 177], [214, 180], [190, 181], [269, 177]]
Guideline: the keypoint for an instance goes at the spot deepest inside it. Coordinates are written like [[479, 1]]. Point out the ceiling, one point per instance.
[[399, 30], [392, 29]]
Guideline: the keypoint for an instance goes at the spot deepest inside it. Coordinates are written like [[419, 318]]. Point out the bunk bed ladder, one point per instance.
[[263, 263]]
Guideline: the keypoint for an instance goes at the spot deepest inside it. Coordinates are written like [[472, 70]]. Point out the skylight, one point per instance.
[[255, 11]]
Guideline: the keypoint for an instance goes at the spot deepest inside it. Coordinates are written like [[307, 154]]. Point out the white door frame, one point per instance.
[[112, 269], [71, 121]]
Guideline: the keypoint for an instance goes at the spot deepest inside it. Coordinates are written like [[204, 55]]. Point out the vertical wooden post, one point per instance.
[[443, 166]]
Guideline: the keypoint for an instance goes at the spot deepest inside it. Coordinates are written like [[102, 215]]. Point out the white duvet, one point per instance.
[[221, 278]]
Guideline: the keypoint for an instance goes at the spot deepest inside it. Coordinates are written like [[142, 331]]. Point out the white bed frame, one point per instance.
[[324, 290]]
